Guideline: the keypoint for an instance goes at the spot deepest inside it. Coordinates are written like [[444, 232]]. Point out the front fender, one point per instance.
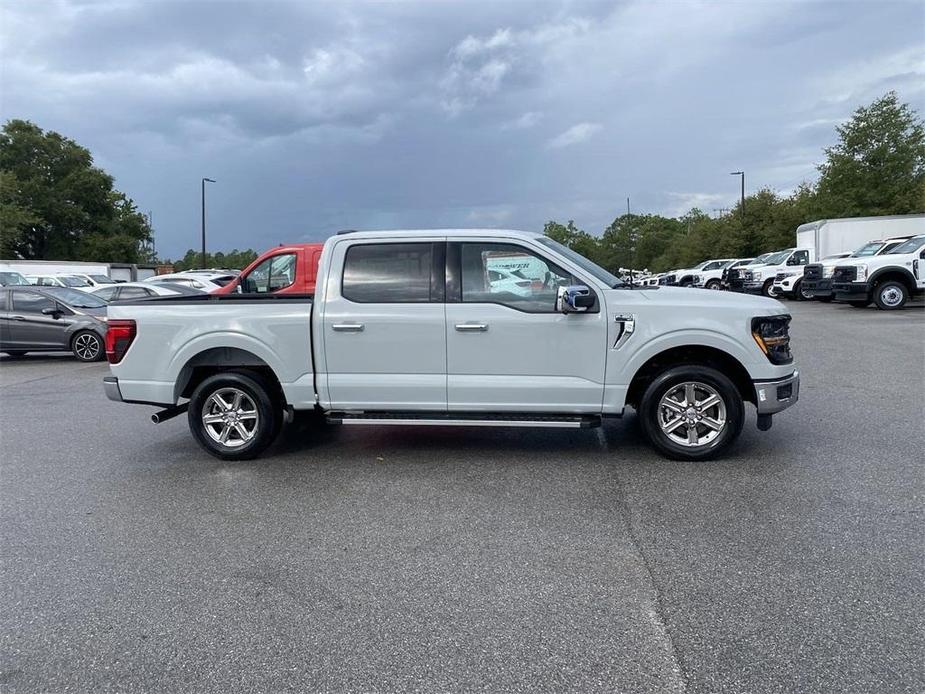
[[755, 362]]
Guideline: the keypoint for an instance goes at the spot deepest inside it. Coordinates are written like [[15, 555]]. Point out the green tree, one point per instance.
[[72, 210], [878, 165], [15, 217], [578, 240], [232, 260]]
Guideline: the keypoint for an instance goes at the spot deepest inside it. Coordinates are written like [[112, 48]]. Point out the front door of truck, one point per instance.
[[385, 327], [508, 349]]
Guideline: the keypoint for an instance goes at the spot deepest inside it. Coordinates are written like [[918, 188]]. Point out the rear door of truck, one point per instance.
[[384, 324]]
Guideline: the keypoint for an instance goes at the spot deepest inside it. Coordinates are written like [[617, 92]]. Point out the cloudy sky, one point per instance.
[[319, 116]]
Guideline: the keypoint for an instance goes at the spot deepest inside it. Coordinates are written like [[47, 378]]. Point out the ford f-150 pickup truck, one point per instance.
[[407, 328]]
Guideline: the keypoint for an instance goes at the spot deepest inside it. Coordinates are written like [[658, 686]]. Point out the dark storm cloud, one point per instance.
[[316, 116]]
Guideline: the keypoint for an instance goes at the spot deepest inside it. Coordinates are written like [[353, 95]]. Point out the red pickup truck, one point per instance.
[[290, 269]]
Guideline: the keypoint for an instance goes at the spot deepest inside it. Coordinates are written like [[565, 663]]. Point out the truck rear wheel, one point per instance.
[[691, 412], [233, 415], [891, 295]]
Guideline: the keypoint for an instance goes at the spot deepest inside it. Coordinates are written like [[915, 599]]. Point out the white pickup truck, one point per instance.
[[406, 328]]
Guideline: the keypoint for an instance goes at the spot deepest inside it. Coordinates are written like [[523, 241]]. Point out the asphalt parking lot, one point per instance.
[[421, 559]]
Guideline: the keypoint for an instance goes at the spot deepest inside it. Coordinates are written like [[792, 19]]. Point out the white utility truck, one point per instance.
[[827, 237], [758, 277], [407, 328], [889, 279], [817, 277]]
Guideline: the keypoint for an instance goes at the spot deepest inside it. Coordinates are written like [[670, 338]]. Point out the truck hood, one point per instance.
[[683, 296]]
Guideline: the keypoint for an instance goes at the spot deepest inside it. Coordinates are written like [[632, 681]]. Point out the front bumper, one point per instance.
[[775, 396], [821, 287], [753, 287], [850, 291], [111, 388]]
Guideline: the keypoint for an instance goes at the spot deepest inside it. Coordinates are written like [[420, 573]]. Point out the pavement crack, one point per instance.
[[680, 674]]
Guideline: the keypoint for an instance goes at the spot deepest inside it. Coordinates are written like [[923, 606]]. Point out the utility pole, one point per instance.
[[627, 207], [742, 174], [204, 181]]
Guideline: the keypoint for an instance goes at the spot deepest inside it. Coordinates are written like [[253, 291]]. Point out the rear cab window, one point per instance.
[[389, 273]]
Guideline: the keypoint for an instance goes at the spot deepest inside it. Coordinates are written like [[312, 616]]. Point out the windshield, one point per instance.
[[760, 259], [868, 249], [596, 271], [909, 246], [71, 281], [74, 298], [101, 279], [12, 279], [775, 258]]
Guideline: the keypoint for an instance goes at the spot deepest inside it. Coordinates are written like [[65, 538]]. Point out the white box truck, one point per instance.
[[830, 236]]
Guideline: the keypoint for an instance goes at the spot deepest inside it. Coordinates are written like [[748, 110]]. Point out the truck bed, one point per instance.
[[174, 335]]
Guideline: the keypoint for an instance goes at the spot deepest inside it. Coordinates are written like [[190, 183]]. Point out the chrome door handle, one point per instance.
[[471, 327], [348, 327], [18, 317]]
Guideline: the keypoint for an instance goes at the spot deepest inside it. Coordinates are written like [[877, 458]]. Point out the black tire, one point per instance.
[[859, 304], [768, 289], [891, 295], [265, 403], [799, 294], [714, 285], [87, 346], [650, 416]]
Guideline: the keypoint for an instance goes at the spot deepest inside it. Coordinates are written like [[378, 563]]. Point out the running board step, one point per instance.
[[459, 419]]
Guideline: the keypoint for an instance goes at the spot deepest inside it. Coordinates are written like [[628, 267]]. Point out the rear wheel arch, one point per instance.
[[699, 355], [222, 359]]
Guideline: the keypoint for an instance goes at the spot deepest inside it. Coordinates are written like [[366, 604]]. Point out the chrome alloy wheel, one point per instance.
[[891, 296], [692, 414], [87, 346], [230, 417]]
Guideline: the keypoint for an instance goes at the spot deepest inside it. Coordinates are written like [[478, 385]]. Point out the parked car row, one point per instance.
[[886, 272]]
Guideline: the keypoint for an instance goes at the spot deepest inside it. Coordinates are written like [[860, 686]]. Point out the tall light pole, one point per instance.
[[742, 174], [204, 181]]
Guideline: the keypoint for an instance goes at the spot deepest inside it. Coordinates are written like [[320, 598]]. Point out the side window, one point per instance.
[[799, 258], [388, 273], [275, 273], [30, 302], [508, 274], [106, 294], [133, 293]]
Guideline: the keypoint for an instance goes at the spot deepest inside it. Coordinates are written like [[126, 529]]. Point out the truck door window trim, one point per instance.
[[454, 276], [437, 274]]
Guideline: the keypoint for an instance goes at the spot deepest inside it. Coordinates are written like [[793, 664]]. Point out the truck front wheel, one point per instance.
[[891, 295], [691, 412], [233, 415], [768, 288]]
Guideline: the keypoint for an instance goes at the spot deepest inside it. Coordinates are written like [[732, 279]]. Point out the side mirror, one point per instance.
[[53, 312], [574, 299]]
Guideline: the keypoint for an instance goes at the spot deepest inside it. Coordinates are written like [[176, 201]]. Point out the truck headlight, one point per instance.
[[861, 274], [828, 271], [772, 335], [756, 275]]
